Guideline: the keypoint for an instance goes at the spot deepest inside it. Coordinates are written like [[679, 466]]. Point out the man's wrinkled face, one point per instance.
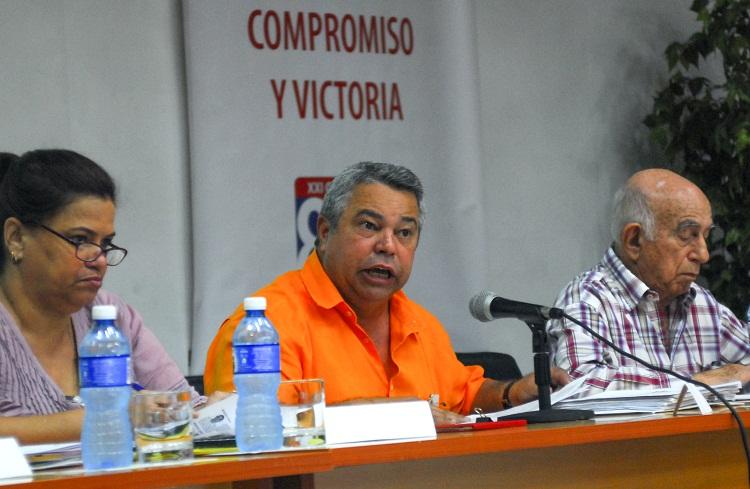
[[672, 261], [370, 253]]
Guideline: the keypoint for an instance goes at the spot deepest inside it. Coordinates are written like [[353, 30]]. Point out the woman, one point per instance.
[[58, 212]]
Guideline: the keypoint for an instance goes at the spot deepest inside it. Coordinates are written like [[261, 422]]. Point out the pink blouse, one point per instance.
[[26, 389]]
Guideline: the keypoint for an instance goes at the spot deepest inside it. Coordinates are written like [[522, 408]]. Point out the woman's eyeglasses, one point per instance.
[[88, 251]]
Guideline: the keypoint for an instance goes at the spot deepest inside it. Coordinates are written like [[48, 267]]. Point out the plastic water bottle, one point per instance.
[[256, 377], [104, 369]]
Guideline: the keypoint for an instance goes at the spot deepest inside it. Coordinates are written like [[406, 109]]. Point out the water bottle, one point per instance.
[[255, 347], [105, 377]]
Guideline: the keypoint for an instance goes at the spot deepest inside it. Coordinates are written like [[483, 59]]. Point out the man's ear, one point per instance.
[[631, 239], [324, 230]]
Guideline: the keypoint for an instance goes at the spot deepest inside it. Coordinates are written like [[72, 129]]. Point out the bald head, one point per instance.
[[660, 229], [651, 196], [661, 186]]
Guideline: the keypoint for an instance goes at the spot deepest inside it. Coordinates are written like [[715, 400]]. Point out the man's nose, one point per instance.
[[385, 243], [700, 250]]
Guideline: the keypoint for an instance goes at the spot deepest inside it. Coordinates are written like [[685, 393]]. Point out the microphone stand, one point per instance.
[[542, 376]]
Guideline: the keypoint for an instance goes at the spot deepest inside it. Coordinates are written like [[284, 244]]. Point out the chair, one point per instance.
[[498, 366], [196, 381]]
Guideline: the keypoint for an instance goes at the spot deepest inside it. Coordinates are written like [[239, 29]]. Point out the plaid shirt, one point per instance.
[[702, 334]]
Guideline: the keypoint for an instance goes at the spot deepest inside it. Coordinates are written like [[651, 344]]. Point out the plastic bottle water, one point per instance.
[[256, 377], [104, 368]]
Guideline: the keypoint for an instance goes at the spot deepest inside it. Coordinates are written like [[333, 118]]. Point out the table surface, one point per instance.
[[211, 470]]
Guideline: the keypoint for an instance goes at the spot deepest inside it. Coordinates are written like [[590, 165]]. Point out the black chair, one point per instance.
[[498, 366], [196, 381]]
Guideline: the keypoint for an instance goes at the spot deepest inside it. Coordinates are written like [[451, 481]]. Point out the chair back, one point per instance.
[[196, 381], [498, 366]]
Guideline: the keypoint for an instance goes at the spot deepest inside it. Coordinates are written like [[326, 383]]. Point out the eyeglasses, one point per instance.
[[88, 251]]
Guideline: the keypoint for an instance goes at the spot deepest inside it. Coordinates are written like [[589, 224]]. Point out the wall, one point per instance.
[[563, 88], [106, 79]]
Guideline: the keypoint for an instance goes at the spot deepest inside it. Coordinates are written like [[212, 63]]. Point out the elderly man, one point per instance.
[[344, 318], [643, 297]]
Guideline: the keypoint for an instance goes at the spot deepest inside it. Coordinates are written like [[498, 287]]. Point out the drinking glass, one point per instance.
[[302, 404], [161, 422]]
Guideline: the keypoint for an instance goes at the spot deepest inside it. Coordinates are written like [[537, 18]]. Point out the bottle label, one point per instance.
[[111, 371], [256, 359]]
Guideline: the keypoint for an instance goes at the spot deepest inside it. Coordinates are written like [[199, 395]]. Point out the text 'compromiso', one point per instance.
[[269, 30]]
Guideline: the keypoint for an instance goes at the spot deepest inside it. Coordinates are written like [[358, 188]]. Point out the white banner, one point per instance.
[[286, 91]]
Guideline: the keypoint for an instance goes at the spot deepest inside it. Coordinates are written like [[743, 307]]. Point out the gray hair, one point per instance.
[[631, 205], [340, 190]]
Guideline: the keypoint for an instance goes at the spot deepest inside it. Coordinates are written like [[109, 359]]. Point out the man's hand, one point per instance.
[[525, 389], [490, 395], [727, 373], [443, 417]]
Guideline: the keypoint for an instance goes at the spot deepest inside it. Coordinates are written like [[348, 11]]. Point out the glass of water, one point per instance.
[[161, 423], [302, 404]]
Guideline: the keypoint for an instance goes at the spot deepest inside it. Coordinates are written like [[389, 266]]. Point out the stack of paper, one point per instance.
[[567, 391], [650, 400], [629, 401], [53, 455]]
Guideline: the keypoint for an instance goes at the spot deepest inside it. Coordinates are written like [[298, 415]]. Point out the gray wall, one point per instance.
[[106, 78], [563, 88]]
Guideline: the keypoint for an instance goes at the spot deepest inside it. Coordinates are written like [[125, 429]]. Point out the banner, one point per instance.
[[282, 95]]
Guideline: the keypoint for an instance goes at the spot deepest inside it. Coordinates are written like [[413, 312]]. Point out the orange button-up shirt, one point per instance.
[[320, 338]]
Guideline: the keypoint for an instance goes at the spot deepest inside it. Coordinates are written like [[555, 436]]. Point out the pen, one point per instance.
[[679, 400], [136, 386]]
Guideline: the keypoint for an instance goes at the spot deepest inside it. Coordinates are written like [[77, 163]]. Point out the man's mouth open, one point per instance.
[[379, 273]]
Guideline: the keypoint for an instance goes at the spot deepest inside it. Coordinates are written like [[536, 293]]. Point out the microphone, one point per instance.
[[486, 306]]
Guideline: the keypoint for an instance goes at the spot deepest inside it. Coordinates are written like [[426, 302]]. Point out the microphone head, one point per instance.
[[479, 306]]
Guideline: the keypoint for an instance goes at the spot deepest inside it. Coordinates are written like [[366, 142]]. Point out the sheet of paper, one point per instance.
[[379, 422], [67, 447], [563, 393], [699, 399], [216, 420], [12, 462]]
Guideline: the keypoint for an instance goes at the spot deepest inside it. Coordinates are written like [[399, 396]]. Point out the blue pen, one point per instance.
[[136, 386]]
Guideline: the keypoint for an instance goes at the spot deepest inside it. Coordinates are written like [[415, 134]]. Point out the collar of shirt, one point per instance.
[[326, 295], [634, 289], [318, 284]]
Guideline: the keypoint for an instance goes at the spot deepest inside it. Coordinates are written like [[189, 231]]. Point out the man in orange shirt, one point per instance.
[[344, 318]]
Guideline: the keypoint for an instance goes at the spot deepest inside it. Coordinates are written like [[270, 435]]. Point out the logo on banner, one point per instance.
[[308, 199]]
